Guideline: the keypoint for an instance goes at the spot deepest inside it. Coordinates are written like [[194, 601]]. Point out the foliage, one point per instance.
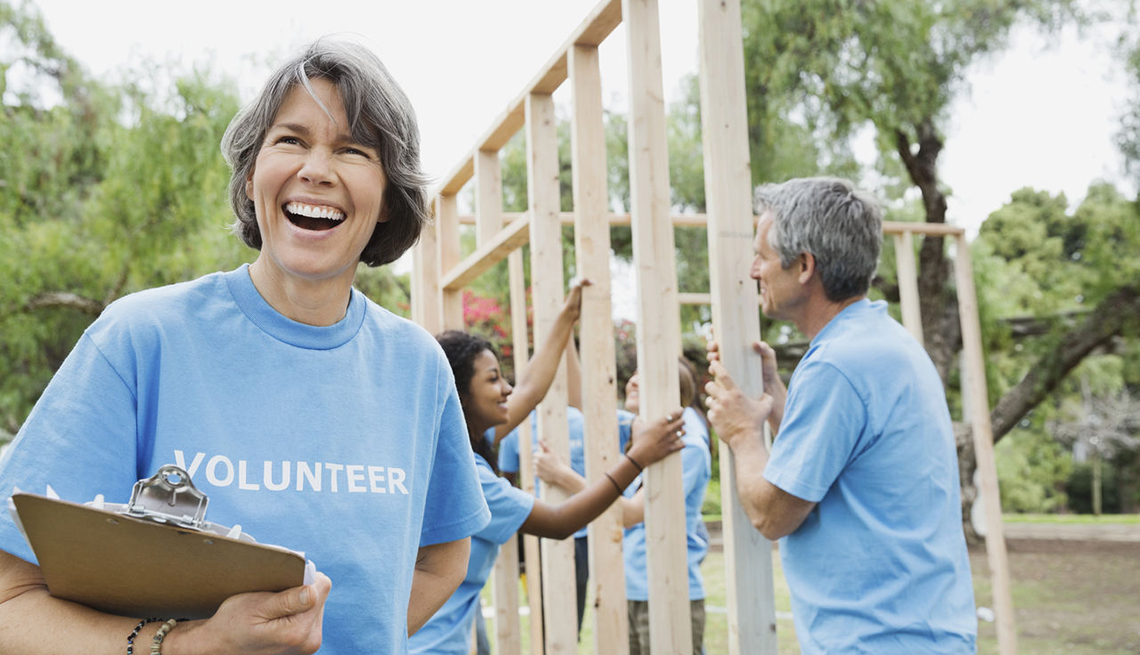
[[1080, 486], [1032, 471], [485, 317], [823, 69], [1036, 258]]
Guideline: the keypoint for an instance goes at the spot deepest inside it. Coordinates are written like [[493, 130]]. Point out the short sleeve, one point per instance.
[[696, 461], [454, 508], [824, 423], [509, 452], [509, 506], [85, 417]]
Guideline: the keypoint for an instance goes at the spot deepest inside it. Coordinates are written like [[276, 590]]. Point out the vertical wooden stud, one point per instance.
[[907, 274], [488, 196], [984, 448], [560, 612], [736, 323], [427, 308], [599, 374], [447, 217], [505, 576], [658, 326], [526, 468]]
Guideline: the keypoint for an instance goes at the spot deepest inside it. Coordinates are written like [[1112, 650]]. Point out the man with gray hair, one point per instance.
[[861, 482]]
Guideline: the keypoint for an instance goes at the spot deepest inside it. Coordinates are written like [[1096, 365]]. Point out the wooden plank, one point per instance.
[[526, 467], [701, 220], [975, 386], [510, 238], [602, 20], [447, 218], [749, 581], [505, 576], [458, 176], [546, 284], [659, 331], [930, 229], [427, 306], [488, 196], [505, 597], [907, 273], [599, 368]]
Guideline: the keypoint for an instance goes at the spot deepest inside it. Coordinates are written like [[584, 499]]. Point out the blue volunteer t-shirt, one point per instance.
[[575, 425], [449, 631], [696, 469], [346, 442], [880, 564]]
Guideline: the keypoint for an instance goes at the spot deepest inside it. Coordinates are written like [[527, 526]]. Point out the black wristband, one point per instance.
[[616, 485], [634, 461]]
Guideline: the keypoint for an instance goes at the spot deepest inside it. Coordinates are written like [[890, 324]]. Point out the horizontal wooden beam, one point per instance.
[[599, 24], [927, 229], [701, 220], [512, 237]]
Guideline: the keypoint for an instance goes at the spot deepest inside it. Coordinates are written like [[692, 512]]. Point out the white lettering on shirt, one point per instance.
[[311, 477]]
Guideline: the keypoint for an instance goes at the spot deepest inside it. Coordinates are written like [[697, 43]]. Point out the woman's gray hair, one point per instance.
[[828, 217], [379, 116]]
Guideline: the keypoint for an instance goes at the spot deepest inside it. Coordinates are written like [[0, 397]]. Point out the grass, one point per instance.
[[1070, 598], [1103, 519]]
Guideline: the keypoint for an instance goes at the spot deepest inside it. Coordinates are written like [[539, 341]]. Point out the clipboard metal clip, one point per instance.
[[169, 497]]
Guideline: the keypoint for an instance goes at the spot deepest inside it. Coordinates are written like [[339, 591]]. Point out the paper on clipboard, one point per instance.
[[142, 562]]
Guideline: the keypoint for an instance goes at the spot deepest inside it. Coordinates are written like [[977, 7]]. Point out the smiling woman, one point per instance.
[[318, 197], [308, 411]]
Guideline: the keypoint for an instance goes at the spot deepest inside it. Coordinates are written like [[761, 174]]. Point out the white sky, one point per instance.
[[461, 62]]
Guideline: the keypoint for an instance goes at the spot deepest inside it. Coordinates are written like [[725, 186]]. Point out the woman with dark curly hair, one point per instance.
[[490, 402]]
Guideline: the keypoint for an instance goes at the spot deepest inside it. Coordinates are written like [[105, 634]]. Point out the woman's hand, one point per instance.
[[260, 623], [654, 440], [573, 307], [547, 465]]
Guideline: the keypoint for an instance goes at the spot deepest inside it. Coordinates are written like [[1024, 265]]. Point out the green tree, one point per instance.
[[835, 67]]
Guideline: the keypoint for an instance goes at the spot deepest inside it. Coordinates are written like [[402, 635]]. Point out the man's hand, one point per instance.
[[774, 388], [733, 415]]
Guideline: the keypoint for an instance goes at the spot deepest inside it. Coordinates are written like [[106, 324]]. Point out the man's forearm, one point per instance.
[[750, 457]]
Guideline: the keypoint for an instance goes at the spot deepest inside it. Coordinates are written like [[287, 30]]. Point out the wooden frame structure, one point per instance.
[[439, 276]]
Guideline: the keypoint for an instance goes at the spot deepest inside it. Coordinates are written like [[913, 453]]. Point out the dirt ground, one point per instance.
[[1079, 593]]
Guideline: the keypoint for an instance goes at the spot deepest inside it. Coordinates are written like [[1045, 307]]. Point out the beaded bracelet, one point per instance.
[[616, 485], [135, 633], [639, 469], [156, 643]]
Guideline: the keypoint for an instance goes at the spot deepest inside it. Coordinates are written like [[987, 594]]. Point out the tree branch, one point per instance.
[[65, 299], [1111, 316]]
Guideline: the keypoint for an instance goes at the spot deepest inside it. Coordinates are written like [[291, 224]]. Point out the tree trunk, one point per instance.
[[967, 464], [1111, 316], [940, 328]]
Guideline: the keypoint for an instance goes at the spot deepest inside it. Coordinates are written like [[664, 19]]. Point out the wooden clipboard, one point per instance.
[[137, 567]]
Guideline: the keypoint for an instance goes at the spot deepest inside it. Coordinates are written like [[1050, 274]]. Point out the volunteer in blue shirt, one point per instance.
[[308, 414], [861, 483], [696, 466], [488, 401]]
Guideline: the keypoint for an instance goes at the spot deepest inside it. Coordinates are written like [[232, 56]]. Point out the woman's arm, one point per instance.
[[535, 379], [651, 442], [34, 622], [554, 470], [439, 571]]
